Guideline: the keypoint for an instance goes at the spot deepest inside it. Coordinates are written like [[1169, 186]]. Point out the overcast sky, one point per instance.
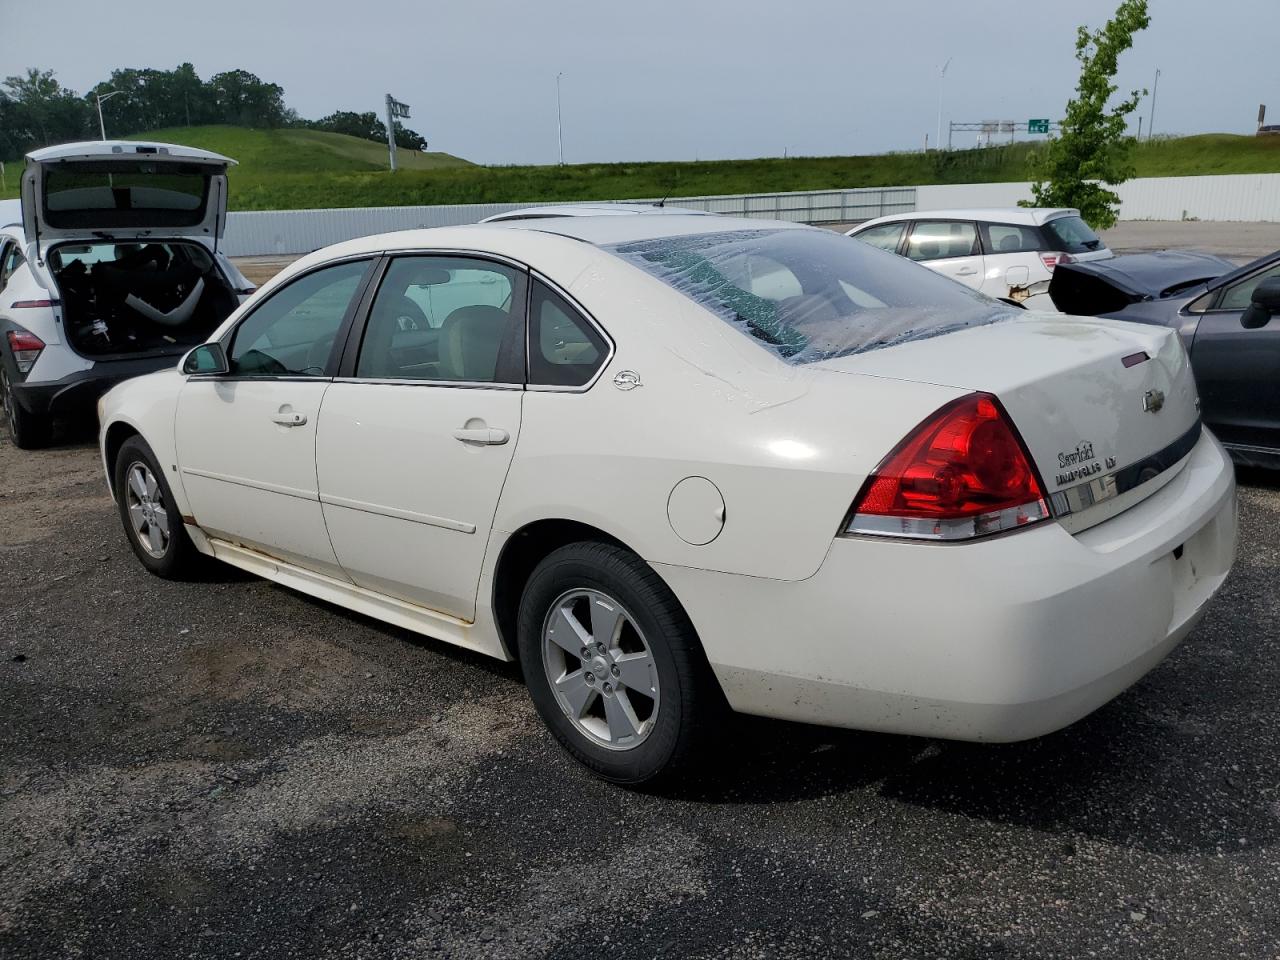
[[670, 79]]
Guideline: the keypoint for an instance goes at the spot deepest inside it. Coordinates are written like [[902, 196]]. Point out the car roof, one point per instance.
[[602, 209], [116, 148], [1034, 216], [604, 230]]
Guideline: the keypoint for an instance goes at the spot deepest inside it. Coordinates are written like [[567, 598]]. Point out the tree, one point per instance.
[[39, 111], [1092, 151], [367, 126]]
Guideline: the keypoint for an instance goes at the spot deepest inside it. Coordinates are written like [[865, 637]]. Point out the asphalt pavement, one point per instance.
[[228, 769]]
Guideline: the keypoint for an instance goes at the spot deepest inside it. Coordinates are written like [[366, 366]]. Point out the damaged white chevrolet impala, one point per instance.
[[674, 464]]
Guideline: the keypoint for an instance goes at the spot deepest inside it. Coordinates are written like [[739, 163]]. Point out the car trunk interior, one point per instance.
[[128, 298]]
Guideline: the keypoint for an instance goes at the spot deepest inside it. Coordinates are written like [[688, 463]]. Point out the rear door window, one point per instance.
[[1010, 238], [887, 236], [942, 240], [1071, 235]]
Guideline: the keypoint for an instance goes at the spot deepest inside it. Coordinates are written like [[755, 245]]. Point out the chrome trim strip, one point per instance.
[[411, 382], [396, 514], [1250, 448], [255, 484], [1100, 489]]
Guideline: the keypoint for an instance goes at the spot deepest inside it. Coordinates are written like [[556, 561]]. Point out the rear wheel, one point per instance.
[[613, 664], [27, 430], [151, 519]]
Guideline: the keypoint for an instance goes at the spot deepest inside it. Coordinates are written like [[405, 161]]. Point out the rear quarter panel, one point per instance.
[[788, 447]]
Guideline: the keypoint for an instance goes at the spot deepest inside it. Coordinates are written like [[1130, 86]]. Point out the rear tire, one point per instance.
[[614, 666], [27, 430], [151, 519]]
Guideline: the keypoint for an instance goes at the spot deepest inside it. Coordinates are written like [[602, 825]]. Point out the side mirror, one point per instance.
[[208, 358], [1265, 302]]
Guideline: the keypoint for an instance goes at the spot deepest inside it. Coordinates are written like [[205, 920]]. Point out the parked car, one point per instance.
[[610, 209], [1225, 316], [109, 268], [675, 462], [1004, 252]]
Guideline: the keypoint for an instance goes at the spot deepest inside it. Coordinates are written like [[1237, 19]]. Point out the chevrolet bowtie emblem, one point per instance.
[[1152, 401]]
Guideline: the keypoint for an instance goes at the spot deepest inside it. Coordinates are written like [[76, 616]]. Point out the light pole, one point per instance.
[[559, 125], [102, 127], [937, 143], [1151, 120]]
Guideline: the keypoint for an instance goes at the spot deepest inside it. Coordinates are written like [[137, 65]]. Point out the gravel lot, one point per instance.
[[227, 768]]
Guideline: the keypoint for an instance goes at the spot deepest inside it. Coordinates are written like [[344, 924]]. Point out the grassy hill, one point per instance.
[[293, 169]]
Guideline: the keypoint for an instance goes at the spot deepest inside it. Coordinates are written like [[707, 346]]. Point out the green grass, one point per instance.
[[292, 169]]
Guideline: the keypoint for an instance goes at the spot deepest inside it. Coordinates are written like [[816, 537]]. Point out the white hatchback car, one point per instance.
[[670, 462], [109, 268], [1004, 252]]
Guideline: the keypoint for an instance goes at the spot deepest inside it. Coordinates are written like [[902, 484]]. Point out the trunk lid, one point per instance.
[[1103, 406], [1088, 289], [123, 190]]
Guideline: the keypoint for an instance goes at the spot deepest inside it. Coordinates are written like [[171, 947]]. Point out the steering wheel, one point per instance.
[[408, 315]]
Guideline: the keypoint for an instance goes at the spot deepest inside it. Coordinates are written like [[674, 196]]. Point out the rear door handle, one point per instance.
[[966, 272], [491, 436], [289, 419]]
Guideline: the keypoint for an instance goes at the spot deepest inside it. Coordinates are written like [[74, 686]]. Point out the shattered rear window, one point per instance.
[[810, 295]]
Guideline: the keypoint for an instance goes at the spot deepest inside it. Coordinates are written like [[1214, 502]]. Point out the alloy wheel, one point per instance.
[[147, 513], [601, 669]]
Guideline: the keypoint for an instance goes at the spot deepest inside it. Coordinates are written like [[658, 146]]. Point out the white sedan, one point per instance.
[[677, 463]]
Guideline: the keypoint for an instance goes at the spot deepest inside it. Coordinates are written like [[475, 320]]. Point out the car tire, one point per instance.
[[152, 522], [28, 431], [653, 703]]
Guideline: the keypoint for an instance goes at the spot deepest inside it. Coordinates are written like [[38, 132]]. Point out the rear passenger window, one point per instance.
[[887, 236], [941, 239], [10, 260], [565, 350], [1010, 238]]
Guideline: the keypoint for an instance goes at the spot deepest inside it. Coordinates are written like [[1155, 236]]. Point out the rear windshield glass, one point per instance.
[[812, 294], [1071, 235], [101, 195]]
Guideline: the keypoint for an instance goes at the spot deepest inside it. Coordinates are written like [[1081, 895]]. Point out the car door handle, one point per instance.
[[487, 435], [966, 272], [289, 419]]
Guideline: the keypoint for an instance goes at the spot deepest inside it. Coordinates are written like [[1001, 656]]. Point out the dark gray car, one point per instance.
[[1229, 319]]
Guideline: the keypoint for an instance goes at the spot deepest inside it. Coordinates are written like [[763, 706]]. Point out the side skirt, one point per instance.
[[421, 620]]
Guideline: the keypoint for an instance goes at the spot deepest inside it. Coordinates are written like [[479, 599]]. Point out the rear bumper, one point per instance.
[[79, 391], [1004, 639]]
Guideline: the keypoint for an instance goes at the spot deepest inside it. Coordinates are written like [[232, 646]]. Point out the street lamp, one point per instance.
[[1151, 120], [102, 127], [942, 72], [559, 126]]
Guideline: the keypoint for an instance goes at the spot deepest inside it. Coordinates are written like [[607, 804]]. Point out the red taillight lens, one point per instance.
[[25, 348], [1051, 260], [962, 473]]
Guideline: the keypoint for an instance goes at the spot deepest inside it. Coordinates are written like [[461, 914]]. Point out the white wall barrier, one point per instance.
[[1239, 197]]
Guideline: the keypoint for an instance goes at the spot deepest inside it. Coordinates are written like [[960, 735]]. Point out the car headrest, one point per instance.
[[470, 339]]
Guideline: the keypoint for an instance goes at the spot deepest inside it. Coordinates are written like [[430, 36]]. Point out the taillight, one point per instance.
[[25, 348], [962, 473], [31, 304], [1051, 260]]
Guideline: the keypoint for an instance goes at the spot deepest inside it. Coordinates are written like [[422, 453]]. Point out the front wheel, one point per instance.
[[613, 664], [151, 519]]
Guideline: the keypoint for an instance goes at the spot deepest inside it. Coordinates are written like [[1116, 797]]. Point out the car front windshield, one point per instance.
[[810, 295]]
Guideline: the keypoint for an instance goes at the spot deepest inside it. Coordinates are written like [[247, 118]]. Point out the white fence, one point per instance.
[[1245, 197], [1240, 197], [253, 233]]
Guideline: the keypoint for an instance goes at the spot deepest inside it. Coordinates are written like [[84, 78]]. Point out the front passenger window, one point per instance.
[[1241, 295], [292, 333]]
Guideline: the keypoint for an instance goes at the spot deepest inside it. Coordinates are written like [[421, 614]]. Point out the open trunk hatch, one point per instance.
[[1097, 287], [1103, 407], [125, 190]]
